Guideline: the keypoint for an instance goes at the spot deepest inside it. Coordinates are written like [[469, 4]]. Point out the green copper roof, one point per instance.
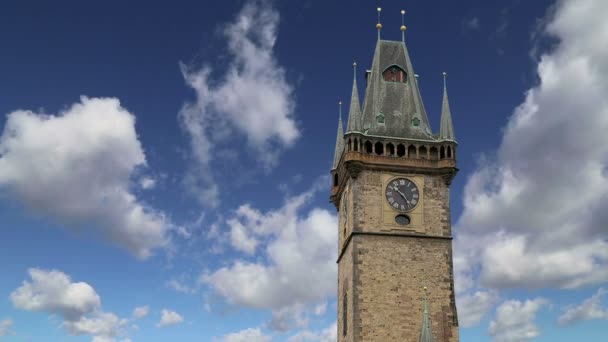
[[446, 131], [339, 141], [354, 114], [426, 333], [400, 103]]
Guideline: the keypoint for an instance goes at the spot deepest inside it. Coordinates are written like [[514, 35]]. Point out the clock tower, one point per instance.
[[391, 180]]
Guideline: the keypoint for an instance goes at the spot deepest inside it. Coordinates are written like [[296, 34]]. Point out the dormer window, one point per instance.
[[394, 73], [380, 118]]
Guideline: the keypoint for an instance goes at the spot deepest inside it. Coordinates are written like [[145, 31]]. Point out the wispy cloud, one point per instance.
[[589, 309], [252, 99]]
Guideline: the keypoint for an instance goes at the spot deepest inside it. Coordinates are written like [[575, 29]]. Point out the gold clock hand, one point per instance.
[[402, 195]]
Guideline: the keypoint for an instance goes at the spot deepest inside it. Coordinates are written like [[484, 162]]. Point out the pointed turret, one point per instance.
[[354, 114], [447, 129], [339, 141], [393, 106], [426, 333]]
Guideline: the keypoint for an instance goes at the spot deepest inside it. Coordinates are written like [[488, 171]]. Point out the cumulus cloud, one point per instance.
[[515, 320], [104, 326], [54, 291], [169, 318], [589, 309], [76, 166], [76, 303], [141, 311], [252, 98], [289, 242], [473, 307], [5, 326], [541, 202], [247, 335]]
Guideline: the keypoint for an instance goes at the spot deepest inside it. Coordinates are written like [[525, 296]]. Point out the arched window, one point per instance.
[[356, 145], [450, 152], [390, 149], [411, 152], [394, 73], [335, 179], [369, 147], [434, 153], [422, 152], [400, 150], [442, 153], [379, 148], [349, 145]]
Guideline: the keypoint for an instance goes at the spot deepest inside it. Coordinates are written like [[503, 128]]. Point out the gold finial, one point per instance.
[[445, 76], [379, 25], [403, 27]]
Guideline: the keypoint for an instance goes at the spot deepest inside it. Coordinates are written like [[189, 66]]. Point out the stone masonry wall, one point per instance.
[[388, 272]]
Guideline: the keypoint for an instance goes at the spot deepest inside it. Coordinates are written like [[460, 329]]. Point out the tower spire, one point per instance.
[[339, 140], [403, 28], [446, 131], [426, 333], [379, 25], [354, 113]]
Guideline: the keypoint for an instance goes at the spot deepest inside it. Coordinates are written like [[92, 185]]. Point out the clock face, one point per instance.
[[402, 194]]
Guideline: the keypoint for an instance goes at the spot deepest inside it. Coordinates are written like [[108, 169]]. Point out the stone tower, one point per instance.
[[390, 183]]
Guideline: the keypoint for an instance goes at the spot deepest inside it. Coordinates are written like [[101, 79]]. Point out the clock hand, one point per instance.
[[402, 195]]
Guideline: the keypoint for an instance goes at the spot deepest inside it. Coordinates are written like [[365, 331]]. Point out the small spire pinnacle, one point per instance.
[[403, 28], [426, 333], [354, 113], [339, 140], [379, 25], [446, 131]]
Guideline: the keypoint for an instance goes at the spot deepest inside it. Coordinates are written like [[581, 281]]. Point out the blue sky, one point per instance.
[[163, 170]]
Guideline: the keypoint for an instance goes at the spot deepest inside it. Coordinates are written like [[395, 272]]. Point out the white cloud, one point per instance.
[[104, 326], [329, 334], [252, 98], [147, 183], [247, 335], [290, 243], [76, 168], [5, 326], [515, 320], [289, 317], [76, 303], [472, 308], [54, 291], [590, 309], [169, 318], [541, 204], [141, 311]]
